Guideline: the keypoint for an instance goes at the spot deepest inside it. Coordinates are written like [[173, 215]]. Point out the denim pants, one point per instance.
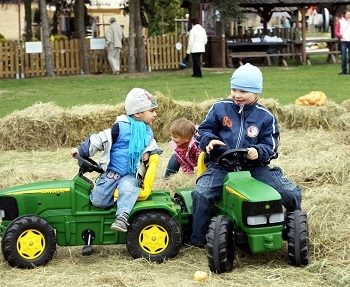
[[102, 195], [209, 189], [345, 56], [172, 167]]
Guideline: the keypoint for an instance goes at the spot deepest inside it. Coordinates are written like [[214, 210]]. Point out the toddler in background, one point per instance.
[[186, 151]]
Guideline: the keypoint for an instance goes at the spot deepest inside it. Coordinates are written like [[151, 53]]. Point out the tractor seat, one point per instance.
[[201, 167], [148, 180]]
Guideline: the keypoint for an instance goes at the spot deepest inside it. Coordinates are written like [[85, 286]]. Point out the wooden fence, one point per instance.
[[160, 54]]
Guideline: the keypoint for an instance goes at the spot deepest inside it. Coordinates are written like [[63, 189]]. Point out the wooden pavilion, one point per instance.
[[265, 8]]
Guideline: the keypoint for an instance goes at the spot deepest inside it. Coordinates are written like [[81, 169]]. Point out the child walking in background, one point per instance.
[[182, 133], [124, 149]]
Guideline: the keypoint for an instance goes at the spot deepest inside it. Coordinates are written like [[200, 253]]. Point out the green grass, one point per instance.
[[284, 84]]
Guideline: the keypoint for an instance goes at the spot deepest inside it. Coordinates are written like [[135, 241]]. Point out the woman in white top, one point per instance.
[[196, 46]]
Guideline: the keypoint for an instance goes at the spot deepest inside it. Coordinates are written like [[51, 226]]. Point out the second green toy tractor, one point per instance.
[[250, 213]]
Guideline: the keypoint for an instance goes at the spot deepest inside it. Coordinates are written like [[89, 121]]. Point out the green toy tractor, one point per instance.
[[250, 213], [36, 217]]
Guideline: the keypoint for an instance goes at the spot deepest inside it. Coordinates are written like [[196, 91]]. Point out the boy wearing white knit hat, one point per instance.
[[124, 148], [238, 122]]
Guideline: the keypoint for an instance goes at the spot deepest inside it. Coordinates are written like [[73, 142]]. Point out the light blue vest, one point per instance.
[[119, 156]]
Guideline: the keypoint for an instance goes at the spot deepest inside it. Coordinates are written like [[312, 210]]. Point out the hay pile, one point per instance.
[[316, 159], [49, 126], [45, 125]]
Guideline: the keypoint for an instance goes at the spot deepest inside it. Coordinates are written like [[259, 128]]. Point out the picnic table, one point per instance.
[[331, 49], [265, 50]]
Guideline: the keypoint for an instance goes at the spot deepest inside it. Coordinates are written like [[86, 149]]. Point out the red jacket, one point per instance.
[[337, 30], [187, 156]]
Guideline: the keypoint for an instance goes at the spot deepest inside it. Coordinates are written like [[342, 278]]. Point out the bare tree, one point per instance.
[[140, 42], [79, 14], [136, 44], [49, 65], [132, 36], [28, 19]]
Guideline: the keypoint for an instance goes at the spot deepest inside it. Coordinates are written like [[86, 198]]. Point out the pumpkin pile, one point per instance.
[[314, 98]]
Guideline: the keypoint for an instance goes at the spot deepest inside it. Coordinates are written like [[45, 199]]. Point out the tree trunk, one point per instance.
[[81, 32], [132, 35], [140, 44], [50, 72], [28, 19]]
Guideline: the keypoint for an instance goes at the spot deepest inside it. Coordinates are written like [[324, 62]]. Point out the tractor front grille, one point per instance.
[[266, 208]]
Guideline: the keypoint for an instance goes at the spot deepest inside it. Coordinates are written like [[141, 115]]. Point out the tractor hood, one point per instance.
[[243, 185], [38, 188]]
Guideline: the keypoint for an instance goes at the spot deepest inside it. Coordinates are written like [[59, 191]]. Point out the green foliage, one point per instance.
[[2, 36], [161, 15], [228, 9]]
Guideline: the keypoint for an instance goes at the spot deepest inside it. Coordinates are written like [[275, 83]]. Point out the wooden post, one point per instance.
[[303, 11]]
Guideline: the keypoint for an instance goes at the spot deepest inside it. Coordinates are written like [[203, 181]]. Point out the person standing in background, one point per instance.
[[114, 37], [285, 22], [342, 32], [196, 46]]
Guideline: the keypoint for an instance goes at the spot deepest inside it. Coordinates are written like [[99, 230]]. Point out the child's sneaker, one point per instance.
[[121, 223]]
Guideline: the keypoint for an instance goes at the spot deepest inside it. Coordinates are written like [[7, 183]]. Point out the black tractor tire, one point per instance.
[[220, 244], [297, 237], [154, 236], [28, 241]]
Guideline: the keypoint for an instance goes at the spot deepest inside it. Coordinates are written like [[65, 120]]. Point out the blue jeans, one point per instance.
[[172, 167], [209, 189], [345, 56], [102, 195]]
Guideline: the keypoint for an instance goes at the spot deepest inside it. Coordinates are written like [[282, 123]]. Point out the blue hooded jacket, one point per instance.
[[240, 127]]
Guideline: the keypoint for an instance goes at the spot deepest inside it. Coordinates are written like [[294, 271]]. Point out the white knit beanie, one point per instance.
[[247, 78], [139, 100]]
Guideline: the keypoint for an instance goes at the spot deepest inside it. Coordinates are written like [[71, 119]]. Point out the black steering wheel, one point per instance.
[[233, 159], [88, 165]]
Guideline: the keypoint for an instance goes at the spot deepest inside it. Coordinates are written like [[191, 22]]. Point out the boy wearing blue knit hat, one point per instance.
[[124, 149], [238, 122]]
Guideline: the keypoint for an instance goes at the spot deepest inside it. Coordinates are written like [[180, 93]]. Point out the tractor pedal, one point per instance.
[[88, 236], [87, 250]]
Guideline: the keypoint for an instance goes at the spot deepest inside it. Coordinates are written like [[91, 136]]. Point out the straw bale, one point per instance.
[[50, 126], [325, 117], [80, 121], [38, 126], [346, 105]]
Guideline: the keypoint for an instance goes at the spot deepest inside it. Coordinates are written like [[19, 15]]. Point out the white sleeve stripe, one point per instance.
[[273, 117]]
